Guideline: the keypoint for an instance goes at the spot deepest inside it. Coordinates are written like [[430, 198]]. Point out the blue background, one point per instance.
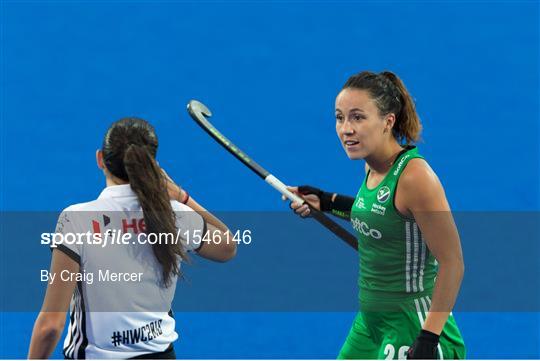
[[270, 72]]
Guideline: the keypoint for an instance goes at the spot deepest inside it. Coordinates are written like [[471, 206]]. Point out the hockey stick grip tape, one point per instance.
[[282, 188]]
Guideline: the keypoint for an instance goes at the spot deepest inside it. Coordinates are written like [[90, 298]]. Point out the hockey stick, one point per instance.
[[198, 111]]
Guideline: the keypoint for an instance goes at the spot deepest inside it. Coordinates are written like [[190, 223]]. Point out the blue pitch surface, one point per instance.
[[270, 72]]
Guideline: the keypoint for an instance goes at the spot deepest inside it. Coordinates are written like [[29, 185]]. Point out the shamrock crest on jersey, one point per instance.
[[383, 194]]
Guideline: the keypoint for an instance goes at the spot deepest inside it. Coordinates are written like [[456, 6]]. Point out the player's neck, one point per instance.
[[380, 162], [114, 181]]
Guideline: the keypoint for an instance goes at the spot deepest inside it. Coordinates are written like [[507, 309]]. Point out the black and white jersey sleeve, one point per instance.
[[66, 230]]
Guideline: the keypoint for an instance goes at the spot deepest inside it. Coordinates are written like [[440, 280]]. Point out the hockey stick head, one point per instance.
[[198, 110]]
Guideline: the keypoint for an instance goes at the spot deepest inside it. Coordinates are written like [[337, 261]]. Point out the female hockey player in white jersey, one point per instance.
[[119, 294]]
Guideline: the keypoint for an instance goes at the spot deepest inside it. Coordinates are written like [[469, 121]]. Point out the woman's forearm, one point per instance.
[[444, 295], [341, 206], [45, 336], [207, 216], [222, 248]]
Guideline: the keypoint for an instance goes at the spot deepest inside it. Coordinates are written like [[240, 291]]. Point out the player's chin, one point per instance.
[[355, 154]]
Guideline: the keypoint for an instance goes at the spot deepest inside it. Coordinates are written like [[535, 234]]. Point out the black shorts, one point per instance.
[[168, 354]]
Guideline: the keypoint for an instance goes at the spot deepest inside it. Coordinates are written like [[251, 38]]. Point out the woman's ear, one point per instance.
[[390, 121], [99, 159]]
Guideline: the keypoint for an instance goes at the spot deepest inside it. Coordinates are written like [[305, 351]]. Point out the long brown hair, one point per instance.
[[129, 152], [391, 96]]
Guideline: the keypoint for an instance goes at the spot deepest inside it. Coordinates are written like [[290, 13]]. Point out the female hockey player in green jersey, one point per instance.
[[411, 264]]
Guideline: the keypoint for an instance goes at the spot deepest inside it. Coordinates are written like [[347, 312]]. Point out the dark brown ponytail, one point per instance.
[[391, 96], [129, 151]]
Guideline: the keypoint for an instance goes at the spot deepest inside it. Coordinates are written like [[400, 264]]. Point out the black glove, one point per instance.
[[425, 346], [324, 197], [340, 206]]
